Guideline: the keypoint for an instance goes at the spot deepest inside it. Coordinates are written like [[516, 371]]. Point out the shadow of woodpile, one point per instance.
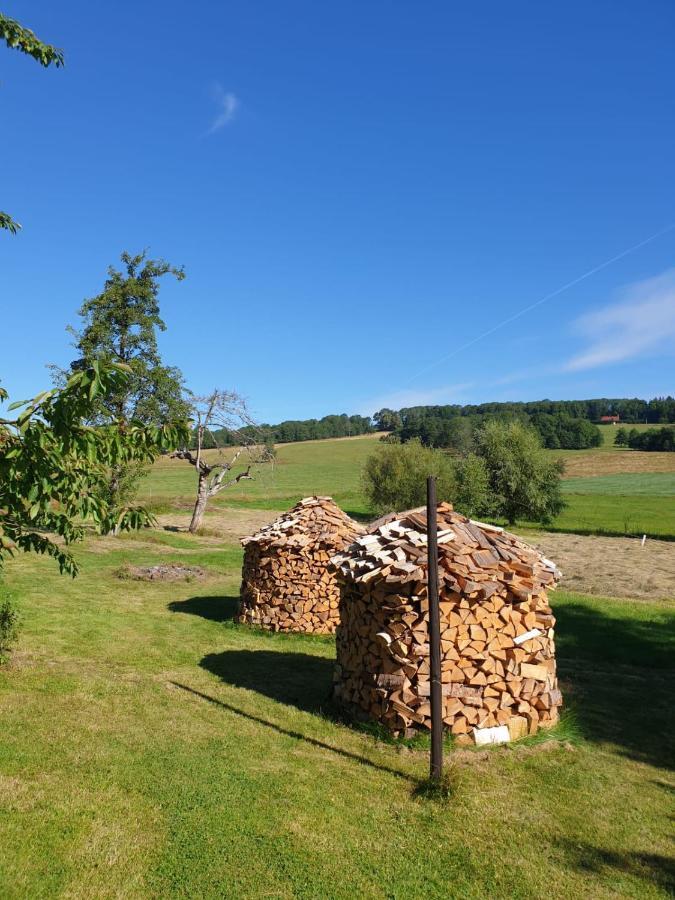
[[298, 679], [216, 609], [653, 868]]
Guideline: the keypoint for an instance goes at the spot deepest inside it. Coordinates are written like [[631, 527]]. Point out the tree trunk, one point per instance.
[[113, 491], [200, 504]]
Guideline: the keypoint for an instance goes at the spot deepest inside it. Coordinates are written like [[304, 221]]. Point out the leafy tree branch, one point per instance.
[[18, 37], [52, 465]]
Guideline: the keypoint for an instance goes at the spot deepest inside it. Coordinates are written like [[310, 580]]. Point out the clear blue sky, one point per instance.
[[356, 190]]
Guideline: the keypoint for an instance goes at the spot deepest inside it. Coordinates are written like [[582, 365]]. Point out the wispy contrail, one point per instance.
[[547, 297]]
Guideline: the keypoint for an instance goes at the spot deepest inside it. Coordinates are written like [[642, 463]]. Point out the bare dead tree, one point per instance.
[[214, 414]]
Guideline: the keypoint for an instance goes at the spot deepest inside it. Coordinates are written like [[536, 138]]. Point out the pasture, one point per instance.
[[609, 432], [605, 495], [150, 747]]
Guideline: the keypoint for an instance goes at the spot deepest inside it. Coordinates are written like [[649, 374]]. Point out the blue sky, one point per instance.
[[360, 193]]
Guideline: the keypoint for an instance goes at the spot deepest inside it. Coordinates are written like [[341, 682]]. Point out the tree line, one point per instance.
[[658, 411], [660, 439], [292, 430], [557, 431], [562, 424]]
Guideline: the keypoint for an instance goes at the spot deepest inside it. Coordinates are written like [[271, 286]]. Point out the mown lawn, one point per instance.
[[152, 748], [656, 484], [616, 515]]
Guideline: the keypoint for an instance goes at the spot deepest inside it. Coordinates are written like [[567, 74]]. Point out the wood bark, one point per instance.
[[497, 630], [287, 584], [200, 503]]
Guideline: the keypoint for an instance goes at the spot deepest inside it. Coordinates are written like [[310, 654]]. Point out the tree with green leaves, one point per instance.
[[472, 494], [524, 480], [621, 437], [53, 462], [394, 476], [120, 325], [25, 41]]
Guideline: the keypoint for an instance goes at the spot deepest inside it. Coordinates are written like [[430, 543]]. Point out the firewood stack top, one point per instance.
[[287, 584], [498, 656]]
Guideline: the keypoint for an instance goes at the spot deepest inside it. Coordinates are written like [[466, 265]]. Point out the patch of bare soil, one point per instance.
[[612, 566], [228, 525], [168, 572]]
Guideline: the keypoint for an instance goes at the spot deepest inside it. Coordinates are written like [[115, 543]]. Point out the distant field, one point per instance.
[[609, 431], [311, 467], [618, 515], [613, 498], [656, 484], [611, 460], [590, 463]]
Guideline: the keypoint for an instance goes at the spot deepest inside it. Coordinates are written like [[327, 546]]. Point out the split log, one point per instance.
[[287, 584], [497, 651]]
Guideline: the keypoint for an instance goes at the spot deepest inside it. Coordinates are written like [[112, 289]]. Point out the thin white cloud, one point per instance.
[[227, 104], [523, 375], [641, 324], [422, 397]]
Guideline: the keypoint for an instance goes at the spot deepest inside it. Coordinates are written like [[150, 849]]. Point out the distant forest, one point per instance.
[[299, 430], [562, 424]]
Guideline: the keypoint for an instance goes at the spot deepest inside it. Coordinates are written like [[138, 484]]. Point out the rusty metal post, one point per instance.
[[436, 768]]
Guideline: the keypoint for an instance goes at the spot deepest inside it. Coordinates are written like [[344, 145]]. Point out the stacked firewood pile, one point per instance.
[[287, 584], [498, 663]]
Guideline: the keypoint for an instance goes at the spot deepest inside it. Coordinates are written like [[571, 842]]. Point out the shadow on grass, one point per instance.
[[297, 679], [617, 674], [321, 745], [216, 609], [651, 867], [365, 518]]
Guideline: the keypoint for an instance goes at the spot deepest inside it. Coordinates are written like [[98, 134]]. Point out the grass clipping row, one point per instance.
[[497, 639], [287, 584]]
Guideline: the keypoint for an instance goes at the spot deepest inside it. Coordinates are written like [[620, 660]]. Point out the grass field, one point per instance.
[[606, 500], [312, 467], [152, 748], [654, 484], [609, 433]]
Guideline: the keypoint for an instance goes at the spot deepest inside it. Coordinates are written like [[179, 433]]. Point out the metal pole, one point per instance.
[[434, 635]]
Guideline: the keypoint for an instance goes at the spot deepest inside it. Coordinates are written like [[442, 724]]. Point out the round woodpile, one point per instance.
[[287, 584], [497, 649]]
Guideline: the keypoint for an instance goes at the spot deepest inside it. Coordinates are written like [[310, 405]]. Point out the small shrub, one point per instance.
[[9, 624]]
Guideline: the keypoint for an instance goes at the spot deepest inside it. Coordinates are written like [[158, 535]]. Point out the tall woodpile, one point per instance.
[[287, 584], [498, 663]]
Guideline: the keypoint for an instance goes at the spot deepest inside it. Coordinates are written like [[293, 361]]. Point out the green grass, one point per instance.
[[633, 504], [655, 484], [314, 467], [152, 748], [609, 432], [616, 515]]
